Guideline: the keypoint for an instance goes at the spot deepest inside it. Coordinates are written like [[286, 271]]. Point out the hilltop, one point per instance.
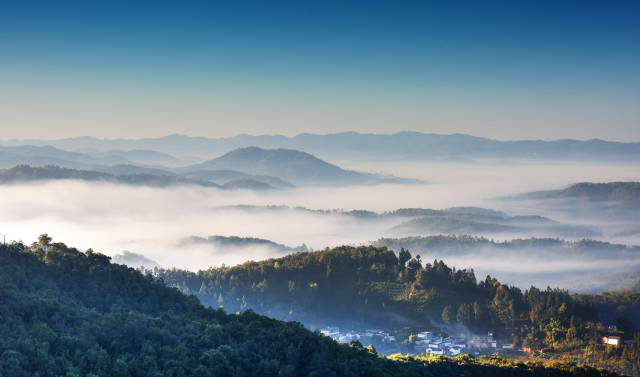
[[233, 244], [290, 165], [615, 193], [612, 200]]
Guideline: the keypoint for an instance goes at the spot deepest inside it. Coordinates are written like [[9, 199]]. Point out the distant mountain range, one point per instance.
[[455, 221], [36, 155], [225, 176], [291, 165], [25, 173], [623, 193], [364, 147], [614, 200], [249, 168], [139, 156], [482, 221]]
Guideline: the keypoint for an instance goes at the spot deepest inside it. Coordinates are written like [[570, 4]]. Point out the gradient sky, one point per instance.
[[509, 69]]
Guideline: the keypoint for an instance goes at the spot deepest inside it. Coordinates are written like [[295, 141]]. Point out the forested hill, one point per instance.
[[374, 286], [369, 286], [68, 313]]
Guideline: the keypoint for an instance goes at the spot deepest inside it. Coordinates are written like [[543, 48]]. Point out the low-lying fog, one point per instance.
[[155, 222]]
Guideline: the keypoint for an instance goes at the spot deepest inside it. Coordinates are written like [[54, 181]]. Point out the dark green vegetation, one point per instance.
[[68, 313], [374, 287]]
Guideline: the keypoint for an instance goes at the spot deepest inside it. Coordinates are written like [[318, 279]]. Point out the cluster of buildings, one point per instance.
[[425, 342], [430, 343], [366, 336]]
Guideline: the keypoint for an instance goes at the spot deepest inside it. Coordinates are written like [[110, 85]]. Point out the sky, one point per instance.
[[506, 70]]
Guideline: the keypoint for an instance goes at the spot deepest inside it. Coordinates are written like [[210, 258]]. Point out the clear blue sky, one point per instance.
[[509, 69]]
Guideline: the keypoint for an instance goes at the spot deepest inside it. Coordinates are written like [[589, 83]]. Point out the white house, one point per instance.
[[454, 351], [611, 340], [435, 351]]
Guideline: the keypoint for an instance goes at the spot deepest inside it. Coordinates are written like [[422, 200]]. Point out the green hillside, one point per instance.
[[373, 285], [71, 313], [369, 287]]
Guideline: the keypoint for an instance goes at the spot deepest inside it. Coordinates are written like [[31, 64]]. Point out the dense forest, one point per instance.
[[374, 286], [70, 313], [366, 283]]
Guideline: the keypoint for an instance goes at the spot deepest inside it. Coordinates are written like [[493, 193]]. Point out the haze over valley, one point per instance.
[[320, 189], [165, 209]]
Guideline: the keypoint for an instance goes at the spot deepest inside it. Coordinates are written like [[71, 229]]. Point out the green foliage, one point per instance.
[[371, 285], [374, 286], [69, 313]]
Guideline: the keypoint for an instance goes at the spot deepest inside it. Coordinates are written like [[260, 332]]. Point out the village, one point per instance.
[[424, 342]]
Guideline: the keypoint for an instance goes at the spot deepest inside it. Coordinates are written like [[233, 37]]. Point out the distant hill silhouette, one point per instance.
[[627, 193], [25, 173], [139, 156], [225, 244], [478, 221], [457, 220], [36, 155], [247, 184], [291, 165], [354, 145], [222, 177], [134, 260], [131, 175], [614, 200]]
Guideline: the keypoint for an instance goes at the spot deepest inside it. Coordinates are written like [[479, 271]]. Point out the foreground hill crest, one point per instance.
[[71, 313]]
